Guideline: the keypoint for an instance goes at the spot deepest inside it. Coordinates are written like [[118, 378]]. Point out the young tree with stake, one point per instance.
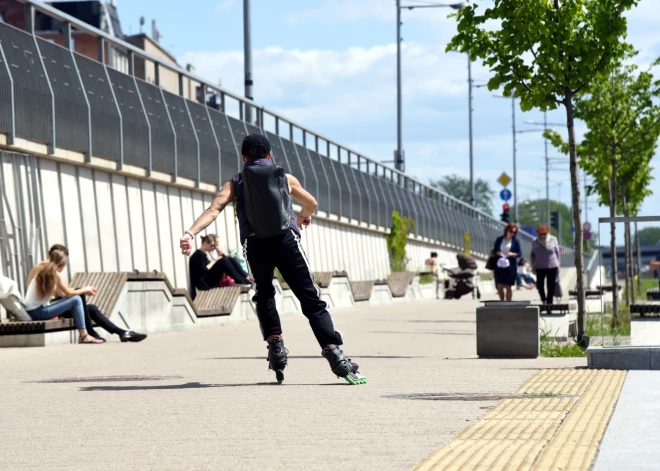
[[546, 53]]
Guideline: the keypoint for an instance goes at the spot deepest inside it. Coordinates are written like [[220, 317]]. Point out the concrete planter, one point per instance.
[[508, 330], [645, 331]]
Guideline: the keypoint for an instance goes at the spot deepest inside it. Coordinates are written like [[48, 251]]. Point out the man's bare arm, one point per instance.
[[221, 200], [302, 196]]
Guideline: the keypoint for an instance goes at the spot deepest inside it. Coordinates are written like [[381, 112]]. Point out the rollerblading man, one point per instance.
[[270, 233]]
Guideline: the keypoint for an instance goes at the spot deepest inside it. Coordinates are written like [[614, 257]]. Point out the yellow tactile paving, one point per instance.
[[576, 443], [538, 433]]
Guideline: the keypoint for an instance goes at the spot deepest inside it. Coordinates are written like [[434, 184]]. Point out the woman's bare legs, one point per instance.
[[500, 292], [509, 293]]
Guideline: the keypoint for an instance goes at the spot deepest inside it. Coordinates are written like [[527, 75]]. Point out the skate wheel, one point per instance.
[[355, 379], [279, 374]]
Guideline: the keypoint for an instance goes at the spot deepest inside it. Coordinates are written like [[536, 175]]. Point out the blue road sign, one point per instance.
[[572, 228], [505, 194]]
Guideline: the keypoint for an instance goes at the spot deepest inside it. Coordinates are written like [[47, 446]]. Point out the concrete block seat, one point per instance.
[[558, 320], [336, 288]]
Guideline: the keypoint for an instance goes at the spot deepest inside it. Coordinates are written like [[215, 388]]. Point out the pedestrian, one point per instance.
[[270, 233], [507, 249], [545, 261]]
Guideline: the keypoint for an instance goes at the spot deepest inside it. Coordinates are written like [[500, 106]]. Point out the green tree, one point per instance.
[[545, 53], [532, 213], [649, 235], [459, 188], [623, 127], [397, 240]]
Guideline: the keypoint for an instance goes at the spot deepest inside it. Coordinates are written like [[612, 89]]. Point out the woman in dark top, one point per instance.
[[206, 274], [507, 246]]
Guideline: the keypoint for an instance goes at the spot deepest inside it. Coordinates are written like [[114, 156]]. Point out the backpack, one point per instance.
[[267, 202]]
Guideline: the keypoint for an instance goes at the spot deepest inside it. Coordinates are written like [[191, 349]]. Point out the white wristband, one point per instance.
[[192, 236]]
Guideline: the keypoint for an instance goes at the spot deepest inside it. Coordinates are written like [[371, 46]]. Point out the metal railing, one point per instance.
[[55, 96]]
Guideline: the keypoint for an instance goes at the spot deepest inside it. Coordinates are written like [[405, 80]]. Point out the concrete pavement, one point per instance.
[[205, 400]]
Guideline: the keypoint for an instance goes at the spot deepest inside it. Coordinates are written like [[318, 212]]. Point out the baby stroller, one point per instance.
[[463, 276]]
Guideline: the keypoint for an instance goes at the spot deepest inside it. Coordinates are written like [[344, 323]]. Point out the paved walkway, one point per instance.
[[212, 404]]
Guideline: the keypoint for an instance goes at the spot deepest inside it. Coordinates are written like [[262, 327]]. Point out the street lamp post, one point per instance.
[[547, 162], [515, 169], [247, 52], [399, 162]]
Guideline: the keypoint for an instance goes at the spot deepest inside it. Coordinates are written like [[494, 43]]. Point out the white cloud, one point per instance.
[[345, 11], [350, 96]]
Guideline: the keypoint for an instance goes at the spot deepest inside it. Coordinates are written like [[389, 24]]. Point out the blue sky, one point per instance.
[[330, 65]]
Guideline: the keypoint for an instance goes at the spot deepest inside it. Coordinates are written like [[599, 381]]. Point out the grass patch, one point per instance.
[[608, 328], [550, 348], [486, 276], [646, 283], [426, 278], [543, 394]]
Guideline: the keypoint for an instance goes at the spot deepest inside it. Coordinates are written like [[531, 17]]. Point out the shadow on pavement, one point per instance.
[[436, 332], [311, 357], [174, 387]]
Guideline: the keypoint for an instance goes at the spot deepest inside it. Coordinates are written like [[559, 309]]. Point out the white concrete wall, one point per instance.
[[114, 222]]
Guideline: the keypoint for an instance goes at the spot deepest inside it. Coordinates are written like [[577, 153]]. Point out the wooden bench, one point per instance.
[[110, 285], [608, 288], [362, 290], [642, 309], [587, 293], [558, 308], [323, 279], [217, 301], [652, 294], [209, 303], [36, 327]]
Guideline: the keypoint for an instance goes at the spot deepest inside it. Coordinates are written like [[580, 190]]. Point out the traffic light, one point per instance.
[[400, 161], [554, 219], [505, 213]]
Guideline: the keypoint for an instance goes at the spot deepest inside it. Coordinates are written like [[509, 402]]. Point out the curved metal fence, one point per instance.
[[105, 113]]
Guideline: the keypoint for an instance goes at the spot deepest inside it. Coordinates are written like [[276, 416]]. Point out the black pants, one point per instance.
[[228, 265], [93, 313], [549, 274], [286, 253]]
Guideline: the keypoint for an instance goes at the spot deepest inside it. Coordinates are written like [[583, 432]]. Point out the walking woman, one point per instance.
[[545, 262], [507, 248]]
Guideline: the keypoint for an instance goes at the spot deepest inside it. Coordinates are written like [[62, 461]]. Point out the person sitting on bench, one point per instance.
[[206, 274], [94, 315], [43, 280]]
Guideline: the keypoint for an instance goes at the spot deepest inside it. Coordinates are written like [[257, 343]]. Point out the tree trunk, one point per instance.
[[575, 191], [626, 241], [613, 261], [639, 261]]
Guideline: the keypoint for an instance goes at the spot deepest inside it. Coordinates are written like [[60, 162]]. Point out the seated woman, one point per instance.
[[94, 315], [523, 277], [206, 274], [43, 280]]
